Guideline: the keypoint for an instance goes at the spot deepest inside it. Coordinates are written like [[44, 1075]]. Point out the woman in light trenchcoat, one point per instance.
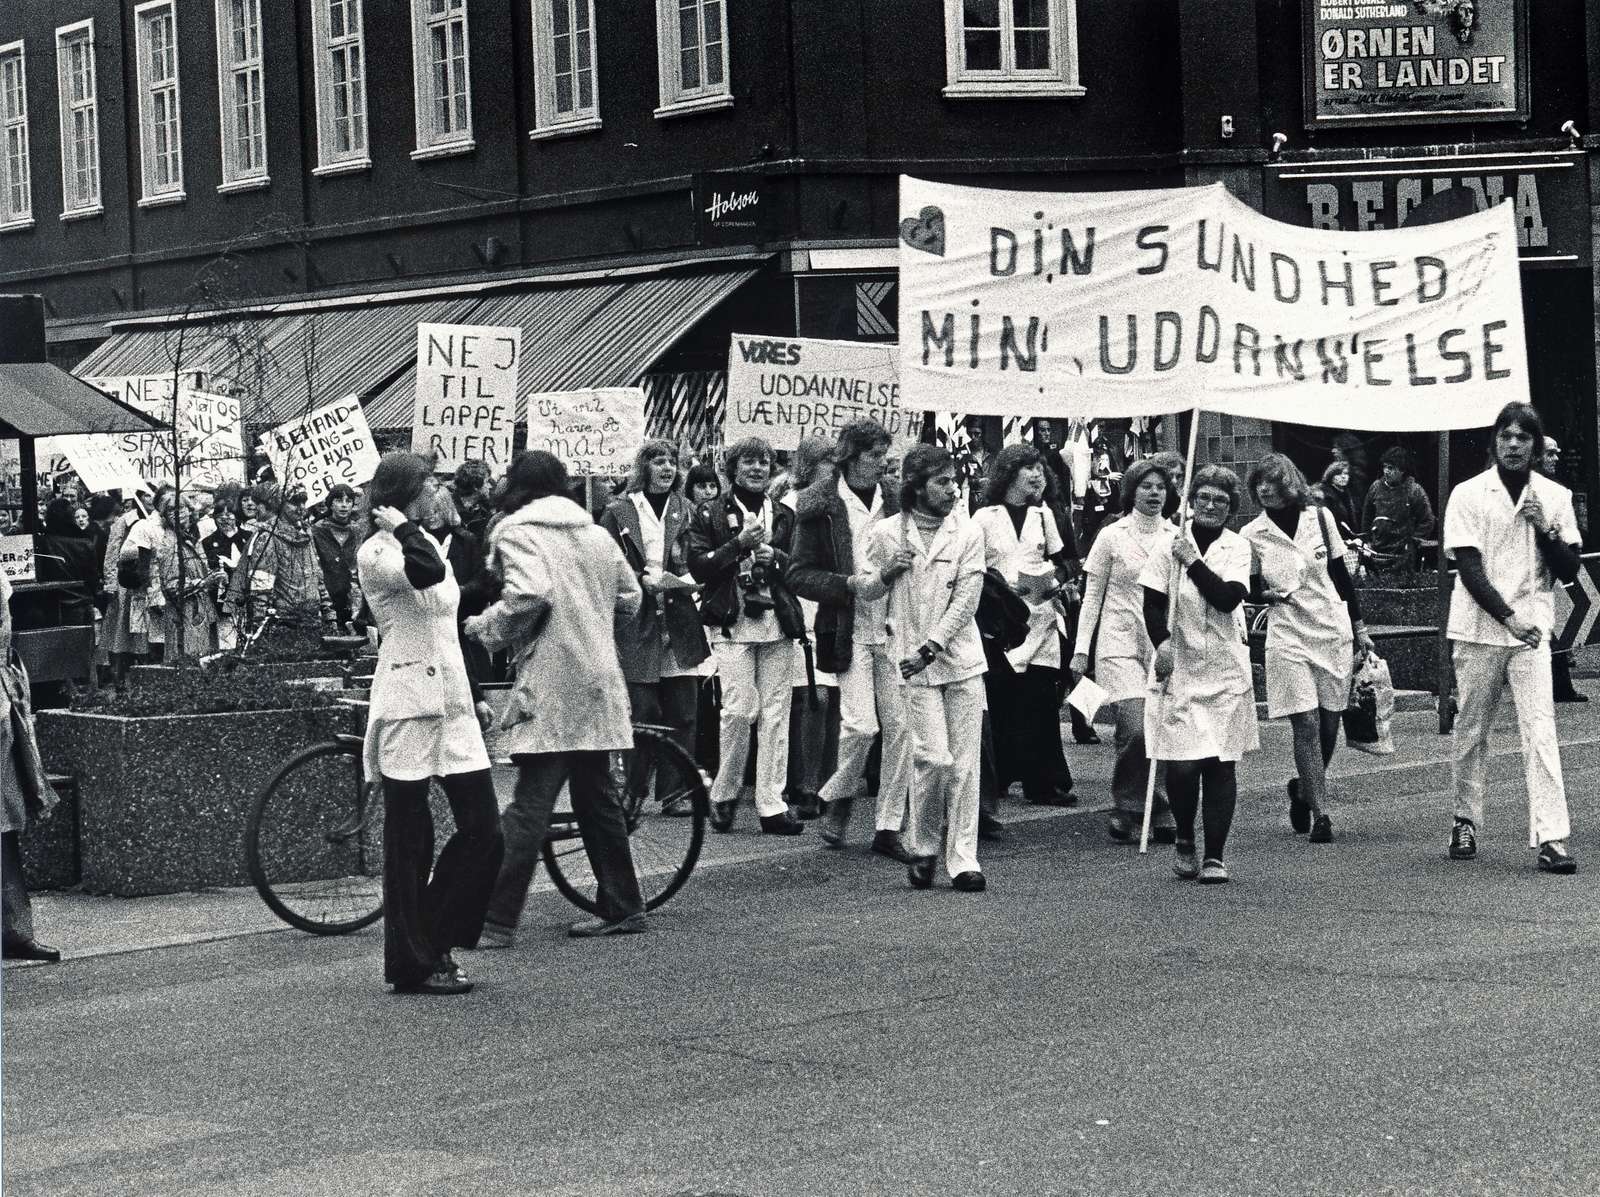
[[1205, 721], [564, 583], [421, 725]]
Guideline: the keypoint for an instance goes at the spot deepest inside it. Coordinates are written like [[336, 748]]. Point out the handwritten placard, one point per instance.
[[210, 440], [466, 393], [318, 451], [595, 432], [95, 457], [787, 388], [16, 558]]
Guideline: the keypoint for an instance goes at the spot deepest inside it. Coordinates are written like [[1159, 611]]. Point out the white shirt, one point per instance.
[[1481, 515], [1027, 554], [870, 614], [1313, 623]]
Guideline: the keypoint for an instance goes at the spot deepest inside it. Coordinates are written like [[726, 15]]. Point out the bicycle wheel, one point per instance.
[[664, 846], [314, 844]]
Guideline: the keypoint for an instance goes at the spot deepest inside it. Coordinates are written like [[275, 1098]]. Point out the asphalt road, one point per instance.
[[1365, 1017]]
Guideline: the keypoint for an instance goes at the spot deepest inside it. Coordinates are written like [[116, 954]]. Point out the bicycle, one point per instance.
[[314, 841]]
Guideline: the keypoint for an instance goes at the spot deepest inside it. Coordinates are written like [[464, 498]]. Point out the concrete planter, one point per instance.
[[279, 670], [162, 800]]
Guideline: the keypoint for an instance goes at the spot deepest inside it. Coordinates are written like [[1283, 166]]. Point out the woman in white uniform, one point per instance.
[[1021, 540], [421, 725], [1113, 604], [1203, 720], [1313, 627]]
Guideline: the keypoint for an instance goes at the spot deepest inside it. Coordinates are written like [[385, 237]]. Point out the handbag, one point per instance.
[[1002, 614], [133, 573]]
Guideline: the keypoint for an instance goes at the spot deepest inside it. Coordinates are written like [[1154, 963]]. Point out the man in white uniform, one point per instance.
[[933, 563], [1514, 537]]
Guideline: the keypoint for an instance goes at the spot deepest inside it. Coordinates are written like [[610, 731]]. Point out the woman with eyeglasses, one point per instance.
[[1203, 720]]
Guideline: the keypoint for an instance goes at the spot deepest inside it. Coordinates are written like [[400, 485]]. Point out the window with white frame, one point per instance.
[[16, 192], [443, 78], [566, 96], [160, 119], [1011, 48], [692, 52], [80, 120], [241, 94], [341, 79]]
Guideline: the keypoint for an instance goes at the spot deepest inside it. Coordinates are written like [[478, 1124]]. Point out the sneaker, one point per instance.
[[1185, 864], [1213, 872], [1322, 830], [633, 924], [1299, 812], [1554, 858], [1122, 829], [1463, 840], [834, 821]]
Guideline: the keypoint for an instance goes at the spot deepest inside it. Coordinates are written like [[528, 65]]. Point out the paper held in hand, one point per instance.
[[1036, 588], [668, 581], [1087, 698]]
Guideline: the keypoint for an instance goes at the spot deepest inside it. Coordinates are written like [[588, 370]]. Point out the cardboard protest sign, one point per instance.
[[793, 387], [95, 457], [1144, 302], [466, 393], [16, 558], [318, 451], [210, 442], [595, 432]]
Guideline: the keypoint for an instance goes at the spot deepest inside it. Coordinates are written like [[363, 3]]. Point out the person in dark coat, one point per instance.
[[64, 553], [661, 648], [338, 542]]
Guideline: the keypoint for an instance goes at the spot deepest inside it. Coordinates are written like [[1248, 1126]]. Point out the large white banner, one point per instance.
[[787, 388], [596, 432], [318, 451], [1144, 302], [97, 459], [210, 443], [466, 393]]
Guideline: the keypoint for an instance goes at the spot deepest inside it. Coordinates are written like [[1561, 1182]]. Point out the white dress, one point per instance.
[[1114, 603], [1208, 708]]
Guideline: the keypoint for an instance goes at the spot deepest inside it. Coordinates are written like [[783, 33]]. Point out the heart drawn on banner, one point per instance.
[[925, 231]]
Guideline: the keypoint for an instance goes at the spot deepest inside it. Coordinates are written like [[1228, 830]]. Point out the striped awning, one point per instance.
[[589, 334], [281, 365]]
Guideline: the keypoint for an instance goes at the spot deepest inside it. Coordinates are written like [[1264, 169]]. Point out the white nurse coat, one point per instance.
[[1313, 624], [1208, 708], [1113, 603]]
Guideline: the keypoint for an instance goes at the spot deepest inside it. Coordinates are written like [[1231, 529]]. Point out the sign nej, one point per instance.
[[466, 393]]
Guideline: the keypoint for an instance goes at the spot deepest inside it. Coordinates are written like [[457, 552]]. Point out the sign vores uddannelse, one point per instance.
[[1415, 62]]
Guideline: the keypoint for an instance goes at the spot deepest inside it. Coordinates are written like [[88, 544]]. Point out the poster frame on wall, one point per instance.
[[1316, 119]]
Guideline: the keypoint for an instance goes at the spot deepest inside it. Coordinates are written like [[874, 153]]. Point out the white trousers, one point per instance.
[[1482, 674], [756, 679], [946, 750], [870, 698]]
